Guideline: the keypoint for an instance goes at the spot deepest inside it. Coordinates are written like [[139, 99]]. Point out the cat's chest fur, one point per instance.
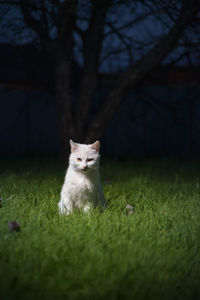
[[80, 187]]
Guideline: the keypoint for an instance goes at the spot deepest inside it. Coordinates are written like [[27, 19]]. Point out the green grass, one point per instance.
[[152, 254]]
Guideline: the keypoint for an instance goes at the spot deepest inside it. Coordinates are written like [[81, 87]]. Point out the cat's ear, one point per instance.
[[73, 145], [96, 146]]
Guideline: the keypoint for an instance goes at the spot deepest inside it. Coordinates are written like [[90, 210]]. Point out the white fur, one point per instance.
[[82, 189]]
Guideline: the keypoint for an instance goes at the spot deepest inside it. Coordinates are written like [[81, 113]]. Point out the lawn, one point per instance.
[[153, 253]]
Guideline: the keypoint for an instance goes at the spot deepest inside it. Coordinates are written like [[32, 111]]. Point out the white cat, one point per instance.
[[82, 187]]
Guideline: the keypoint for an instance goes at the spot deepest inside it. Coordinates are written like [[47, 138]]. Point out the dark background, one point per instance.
[[124, 72]]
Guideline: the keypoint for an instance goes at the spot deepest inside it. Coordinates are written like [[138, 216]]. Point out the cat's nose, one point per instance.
[[84, 167]]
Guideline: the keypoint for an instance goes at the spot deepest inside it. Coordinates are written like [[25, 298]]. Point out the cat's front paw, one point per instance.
[[63, 209], [86, 208]]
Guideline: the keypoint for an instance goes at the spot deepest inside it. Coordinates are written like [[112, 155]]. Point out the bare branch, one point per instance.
[[178, 59], [132, 22], [31, 22], [113, 52], [142, 68], [17, 3]]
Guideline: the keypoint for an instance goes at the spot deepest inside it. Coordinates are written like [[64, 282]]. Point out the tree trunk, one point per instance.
[[92, 46], [63, 92], [64, 54]]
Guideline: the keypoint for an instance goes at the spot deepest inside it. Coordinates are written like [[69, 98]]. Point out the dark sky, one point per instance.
[[146, 31]]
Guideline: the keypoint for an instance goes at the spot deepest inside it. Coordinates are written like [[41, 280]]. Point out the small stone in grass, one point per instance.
[[14, 226], [129, 209], [107, 181]]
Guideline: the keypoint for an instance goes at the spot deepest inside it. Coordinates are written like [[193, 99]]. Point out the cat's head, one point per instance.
[[84, 157]]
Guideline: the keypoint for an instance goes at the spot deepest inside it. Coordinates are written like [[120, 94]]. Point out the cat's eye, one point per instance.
[[89, 159], [79, 159]]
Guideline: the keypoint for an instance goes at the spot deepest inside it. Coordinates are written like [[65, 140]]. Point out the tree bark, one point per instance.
[[63, 90], [92, 45]]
